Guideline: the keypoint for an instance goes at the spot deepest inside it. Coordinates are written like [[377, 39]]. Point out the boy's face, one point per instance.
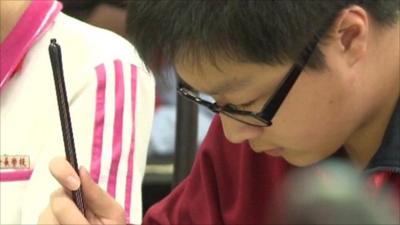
[[315, 119]]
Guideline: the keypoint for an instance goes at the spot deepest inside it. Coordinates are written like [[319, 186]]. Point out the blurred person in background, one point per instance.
[[111, 99], [295, 83], [110, 15]]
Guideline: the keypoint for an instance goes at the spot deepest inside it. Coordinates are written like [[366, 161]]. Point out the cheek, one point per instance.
[[309, 140], [314, 118], [311, 135]]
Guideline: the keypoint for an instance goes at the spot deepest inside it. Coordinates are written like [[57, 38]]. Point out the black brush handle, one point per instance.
[[65, 119]]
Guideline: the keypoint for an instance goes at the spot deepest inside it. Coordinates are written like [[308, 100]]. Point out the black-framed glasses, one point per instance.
[[271, 107]]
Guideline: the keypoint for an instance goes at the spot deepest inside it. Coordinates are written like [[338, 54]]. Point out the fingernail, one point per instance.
[[84, 169], [73, 183], [85, 173]]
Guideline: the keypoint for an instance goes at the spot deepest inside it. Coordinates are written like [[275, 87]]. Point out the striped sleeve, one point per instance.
[[124, 105]]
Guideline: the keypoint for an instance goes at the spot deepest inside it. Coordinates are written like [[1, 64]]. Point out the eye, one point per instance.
[[246, 105]]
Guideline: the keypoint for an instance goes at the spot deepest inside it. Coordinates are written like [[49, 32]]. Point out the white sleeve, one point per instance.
[[111, 108]]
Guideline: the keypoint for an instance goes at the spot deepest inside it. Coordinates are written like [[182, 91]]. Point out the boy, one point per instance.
[[295, 80]]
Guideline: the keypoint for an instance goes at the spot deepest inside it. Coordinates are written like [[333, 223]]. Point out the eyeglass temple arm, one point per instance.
[[293, 74], [279, 96]]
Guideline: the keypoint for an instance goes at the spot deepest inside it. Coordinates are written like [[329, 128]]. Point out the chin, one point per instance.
[[302, 161]]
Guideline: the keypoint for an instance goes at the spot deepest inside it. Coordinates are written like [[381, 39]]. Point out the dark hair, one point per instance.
[[259, 31]]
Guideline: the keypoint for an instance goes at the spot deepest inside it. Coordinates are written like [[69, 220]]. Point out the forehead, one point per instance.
[[225, 75]]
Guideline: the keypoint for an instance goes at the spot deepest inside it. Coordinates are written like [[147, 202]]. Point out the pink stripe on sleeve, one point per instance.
[[129, 177], [97, 144], [118, 118]]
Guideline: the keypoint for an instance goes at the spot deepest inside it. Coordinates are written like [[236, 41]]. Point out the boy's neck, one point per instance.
[[365, 142], [10, 12]]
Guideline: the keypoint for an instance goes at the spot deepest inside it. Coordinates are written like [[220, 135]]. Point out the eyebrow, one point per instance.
[[230, 86]]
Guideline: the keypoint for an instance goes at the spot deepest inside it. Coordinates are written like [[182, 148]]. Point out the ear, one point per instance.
[[351, 31]]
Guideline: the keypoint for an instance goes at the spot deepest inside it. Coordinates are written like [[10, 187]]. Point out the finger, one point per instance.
[[64, 173], [99, 201], [47, 217], [65, 210]]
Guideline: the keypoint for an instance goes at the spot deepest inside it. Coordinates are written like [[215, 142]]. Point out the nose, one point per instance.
[[237, 132]]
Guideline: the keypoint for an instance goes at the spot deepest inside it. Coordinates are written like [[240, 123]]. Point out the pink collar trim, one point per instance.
[[36, 19]]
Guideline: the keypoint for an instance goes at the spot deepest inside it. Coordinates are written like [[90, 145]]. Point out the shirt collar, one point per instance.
[[387, 158], [36, 19]]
